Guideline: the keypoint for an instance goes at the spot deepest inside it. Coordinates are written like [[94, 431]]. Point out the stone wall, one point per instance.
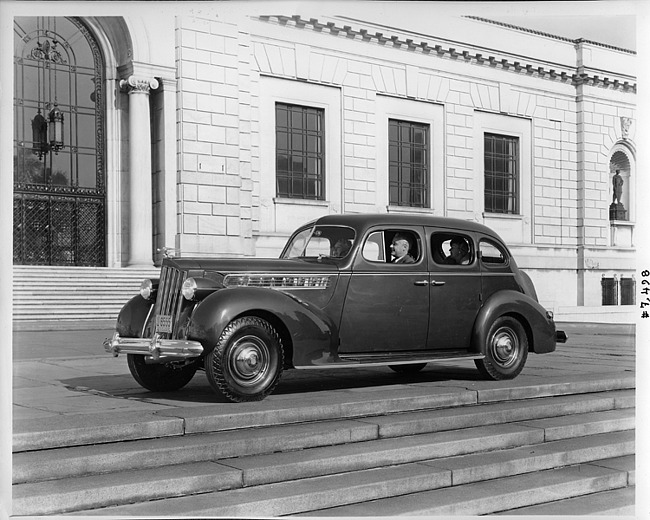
[[566, 115]]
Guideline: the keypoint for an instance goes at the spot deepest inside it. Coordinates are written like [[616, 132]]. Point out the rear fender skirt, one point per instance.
[[540, 329], [312, 332]]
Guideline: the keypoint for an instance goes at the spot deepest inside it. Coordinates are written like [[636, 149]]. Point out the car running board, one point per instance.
[[380, 360]]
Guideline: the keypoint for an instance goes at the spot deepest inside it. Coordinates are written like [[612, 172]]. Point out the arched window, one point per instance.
[[59, 178]]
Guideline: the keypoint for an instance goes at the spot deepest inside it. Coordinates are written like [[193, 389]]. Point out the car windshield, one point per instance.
[[320, 242]]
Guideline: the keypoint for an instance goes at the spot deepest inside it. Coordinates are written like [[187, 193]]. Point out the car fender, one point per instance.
[[310, 331], [539, 327], [132, 317]]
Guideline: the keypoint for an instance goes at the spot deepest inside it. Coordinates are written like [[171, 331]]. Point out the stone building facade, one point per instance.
[[191, 118]]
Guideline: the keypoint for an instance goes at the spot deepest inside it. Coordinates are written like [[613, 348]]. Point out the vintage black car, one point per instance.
[[347, 291]]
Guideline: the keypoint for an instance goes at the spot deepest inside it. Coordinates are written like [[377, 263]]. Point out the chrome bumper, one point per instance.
[[159, 349]]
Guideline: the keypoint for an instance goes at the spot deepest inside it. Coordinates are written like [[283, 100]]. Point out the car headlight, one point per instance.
[[189, 289], [147, 289]]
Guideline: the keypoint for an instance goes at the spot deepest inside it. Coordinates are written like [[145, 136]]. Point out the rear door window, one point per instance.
[[452, 249], [492, 254]]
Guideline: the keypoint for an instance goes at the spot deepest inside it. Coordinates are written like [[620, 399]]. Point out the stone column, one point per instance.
[[140, 205]]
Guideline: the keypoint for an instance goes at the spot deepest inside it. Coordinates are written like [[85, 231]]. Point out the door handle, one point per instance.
[[421, 282], [433, 282]]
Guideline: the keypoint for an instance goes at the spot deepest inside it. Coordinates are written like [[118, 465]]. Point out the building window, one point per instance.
[[610, 290], [408, 163], [501, 174], [627, 291], [300, 152]]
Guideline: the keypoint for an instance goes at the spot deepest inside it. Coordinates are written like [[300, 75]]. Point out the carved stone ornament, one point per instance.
[[134, 84], [626, 122]]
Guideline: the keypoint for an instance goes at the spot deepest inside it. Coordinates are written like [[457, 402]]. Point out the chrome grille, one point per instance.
[[170, 299]]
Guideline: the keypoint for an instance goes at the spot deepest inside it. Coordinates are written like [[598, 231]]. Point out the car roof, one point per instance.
[[362, 221]]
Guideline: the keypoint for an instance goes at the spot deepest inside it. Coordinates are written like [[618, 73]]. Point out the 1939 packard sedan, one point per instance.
[[347, 291]]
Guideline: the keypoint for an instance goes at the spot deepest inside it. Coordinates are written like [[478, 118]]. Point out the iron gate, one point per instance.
[[58, 230]]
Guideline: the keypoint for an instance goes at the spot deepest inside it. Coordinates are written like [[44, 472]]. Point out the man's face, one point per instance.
[[399, 248]]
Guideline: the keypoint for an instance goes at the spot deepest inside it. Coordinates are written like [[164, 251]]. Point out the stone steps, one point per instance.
[[616, 503], [301, 460], [409, 412], [73, 293], [220, 492]]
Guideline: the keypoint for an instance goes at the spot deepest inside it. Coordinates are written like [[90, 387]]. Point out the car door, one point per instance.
[[455, 291], [387, 304]]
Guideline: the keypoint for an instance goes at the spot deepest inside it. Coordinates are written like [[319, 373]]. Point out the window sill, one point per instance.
[[621, 223], [409, 209], [503, 216], [300, 202]]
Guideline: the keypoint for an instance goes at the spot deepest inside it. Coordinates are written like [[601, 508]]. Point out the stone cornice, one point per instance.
[[548, 35], [569, 75]]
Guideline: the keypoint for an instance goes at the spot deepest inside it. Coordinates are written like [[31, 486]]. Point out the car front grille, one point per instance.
[[169, 299]]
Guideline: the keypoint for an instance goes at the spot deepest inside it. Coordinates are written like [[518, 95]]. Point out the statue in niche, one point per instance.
[[617, 184], [617, 210]]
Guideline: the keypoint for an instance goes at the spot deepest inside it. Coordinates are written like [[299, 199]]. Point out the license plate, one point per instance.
[[163, 323]]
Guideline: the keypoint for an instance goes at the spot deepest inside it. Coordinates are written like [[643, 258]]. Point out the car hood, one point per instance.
[[252, 265]]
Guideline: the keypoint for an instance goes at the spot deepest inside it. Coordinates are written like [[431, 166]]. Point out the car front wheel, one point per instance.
[[506, 350], [159, 377], [247, 361]]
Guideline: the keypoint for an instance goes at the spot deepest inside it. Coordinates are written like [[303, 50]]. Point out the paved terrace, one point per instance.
[[68, 373]]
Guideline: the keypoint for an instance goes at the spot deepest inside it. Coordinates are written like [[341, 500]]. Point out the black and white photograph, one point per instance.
[[324, 259]]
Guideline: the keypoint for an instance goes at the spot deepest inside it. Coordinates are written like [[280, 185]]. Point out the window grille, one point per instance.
[[408, 163], [300, 152], [501, 161]]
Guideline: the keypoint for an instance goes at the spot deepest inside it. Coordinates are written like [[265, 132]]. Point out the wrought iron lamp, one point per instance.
[[39, 135], [47, 134], [56, 128]]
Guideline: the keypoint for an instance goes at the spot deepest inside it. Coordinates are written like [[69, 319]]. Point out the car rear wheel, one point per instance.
[[407, 369], [247, 361], [159, 377], [506, 350]]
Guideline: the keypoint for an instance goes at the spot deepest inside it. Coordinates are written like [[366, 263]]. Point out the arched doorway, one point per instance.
[[59, 173]]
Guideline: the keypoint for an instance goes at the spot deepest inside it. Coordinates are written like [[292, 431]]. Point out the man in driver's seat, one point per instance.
[[341, 248]]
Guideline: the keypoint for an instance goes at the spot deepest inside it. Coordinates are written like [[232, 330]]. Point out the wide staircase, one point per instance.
[[555, 448], [69, 295]]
